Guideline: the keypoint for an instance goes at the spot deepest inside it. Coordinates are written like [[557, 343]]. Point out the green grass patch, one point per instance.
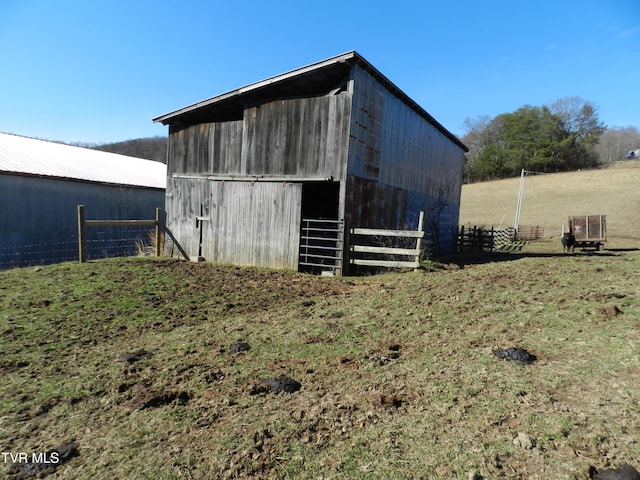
[[397, 371]]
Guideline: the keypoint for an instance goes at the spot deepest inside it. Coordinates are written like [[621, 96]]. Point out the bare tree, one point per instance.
[[580, 119], [480, 134], [445, 192], [616, 142]]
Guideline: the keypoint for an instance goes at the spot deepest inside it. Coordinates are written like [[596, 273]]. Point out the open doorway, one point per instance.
[[320, 200], [321, 232]]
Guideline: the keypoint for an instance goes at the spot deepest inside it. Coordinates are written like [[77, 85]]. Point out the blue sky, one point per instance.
[[98, 71]]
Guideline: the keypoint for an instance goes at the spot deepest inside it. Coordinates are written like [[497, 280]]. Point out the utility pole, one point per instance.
[[517, 222], [519, 207]]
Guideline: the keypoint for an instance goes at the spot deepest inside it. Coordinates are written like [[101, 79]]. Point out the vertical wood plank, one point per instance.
[[419, 241]]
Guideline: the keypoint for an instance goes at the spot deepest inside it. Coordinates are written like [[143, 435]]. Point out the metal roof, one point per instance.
[[312, 80], [29, 156]]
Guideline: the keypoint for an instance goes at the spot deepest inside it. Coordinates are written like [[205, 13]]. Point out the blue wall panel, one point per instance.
[[38, 219]]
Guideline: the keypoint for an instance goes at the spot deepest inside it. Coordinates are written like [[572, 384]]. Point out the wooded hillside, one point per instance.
[[567, 135], [150, 148]]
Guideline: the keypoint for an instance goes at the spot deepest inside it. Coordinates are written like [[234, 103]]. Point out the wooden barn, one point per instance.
[[259, 175], [41, 185]]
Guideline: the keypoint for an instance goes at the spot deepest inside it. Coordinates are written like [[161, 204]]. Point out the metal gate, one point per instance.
[[321, 245]]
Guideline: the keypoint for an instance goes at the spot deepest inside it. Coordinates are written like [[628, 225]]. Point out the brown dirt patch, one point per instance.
[[146, 397]]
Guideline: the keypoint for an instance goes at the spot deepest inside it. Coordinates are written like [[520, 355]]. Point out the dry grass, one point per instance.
[[548, 200], [397, 372]]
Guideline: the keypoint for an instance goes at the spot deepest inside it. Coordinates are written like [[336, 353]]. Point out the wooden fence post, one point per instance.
[[474, 239], [419, 241], [82, 241], [83, 223], [158, 232]]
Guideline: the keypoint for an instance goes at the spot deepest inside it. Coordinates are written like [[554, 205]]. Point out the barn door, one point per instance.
[[253, 223]]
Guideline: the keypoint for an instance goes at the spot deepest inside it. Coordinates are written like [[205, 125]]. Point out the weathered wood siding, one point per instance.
[[254, 223], [247, 223], [185, 197], [391, 163], [399, 163], [304, 137], [206, 148]]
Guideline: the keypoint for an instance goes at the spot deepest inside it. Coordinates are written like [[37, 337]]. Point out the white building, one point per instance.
[[41, 184]]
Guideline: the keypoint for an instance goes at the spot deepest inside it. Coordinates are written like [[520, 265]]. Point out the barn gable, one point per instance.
[[334, 140]]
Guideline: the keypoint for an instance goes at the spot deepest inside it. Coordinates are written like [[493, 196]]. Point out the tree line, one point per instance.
[[149, 148], [566, 135]]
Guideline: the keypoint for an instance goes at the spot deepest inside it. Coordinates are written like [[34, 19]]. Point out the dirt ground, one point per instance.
[[168, 369]]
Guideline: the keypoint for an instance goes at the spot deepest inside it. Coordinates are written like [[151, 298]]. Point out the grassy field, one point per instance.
[[132, 360], [548, 200], [130, 365]]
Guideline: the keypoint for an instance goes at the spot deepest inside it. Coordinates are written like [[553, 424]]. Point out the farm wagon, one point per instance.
[[264, 174], [588, 231]]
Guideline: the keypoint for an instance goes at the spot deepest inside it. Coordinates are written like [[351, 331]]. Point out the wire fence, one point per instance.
[[474, 239], [101, 243]]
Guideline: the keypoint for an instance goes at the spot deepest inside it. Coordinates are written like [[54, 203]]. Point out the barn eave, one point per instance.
[[322, 78], [82, 180]]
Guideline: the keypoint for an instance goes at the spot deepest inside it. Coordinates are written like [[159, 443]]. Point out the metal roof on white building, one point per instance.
[[29, 156]]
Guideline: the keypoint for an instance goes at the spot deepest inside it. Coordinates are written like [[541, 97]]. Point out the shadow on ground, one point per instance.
[[479, 258]]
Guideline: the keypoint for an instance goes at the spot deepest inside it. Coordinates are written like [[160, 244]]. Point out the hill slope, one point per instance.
[[133, 360], [150, 148], [548, 200]]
